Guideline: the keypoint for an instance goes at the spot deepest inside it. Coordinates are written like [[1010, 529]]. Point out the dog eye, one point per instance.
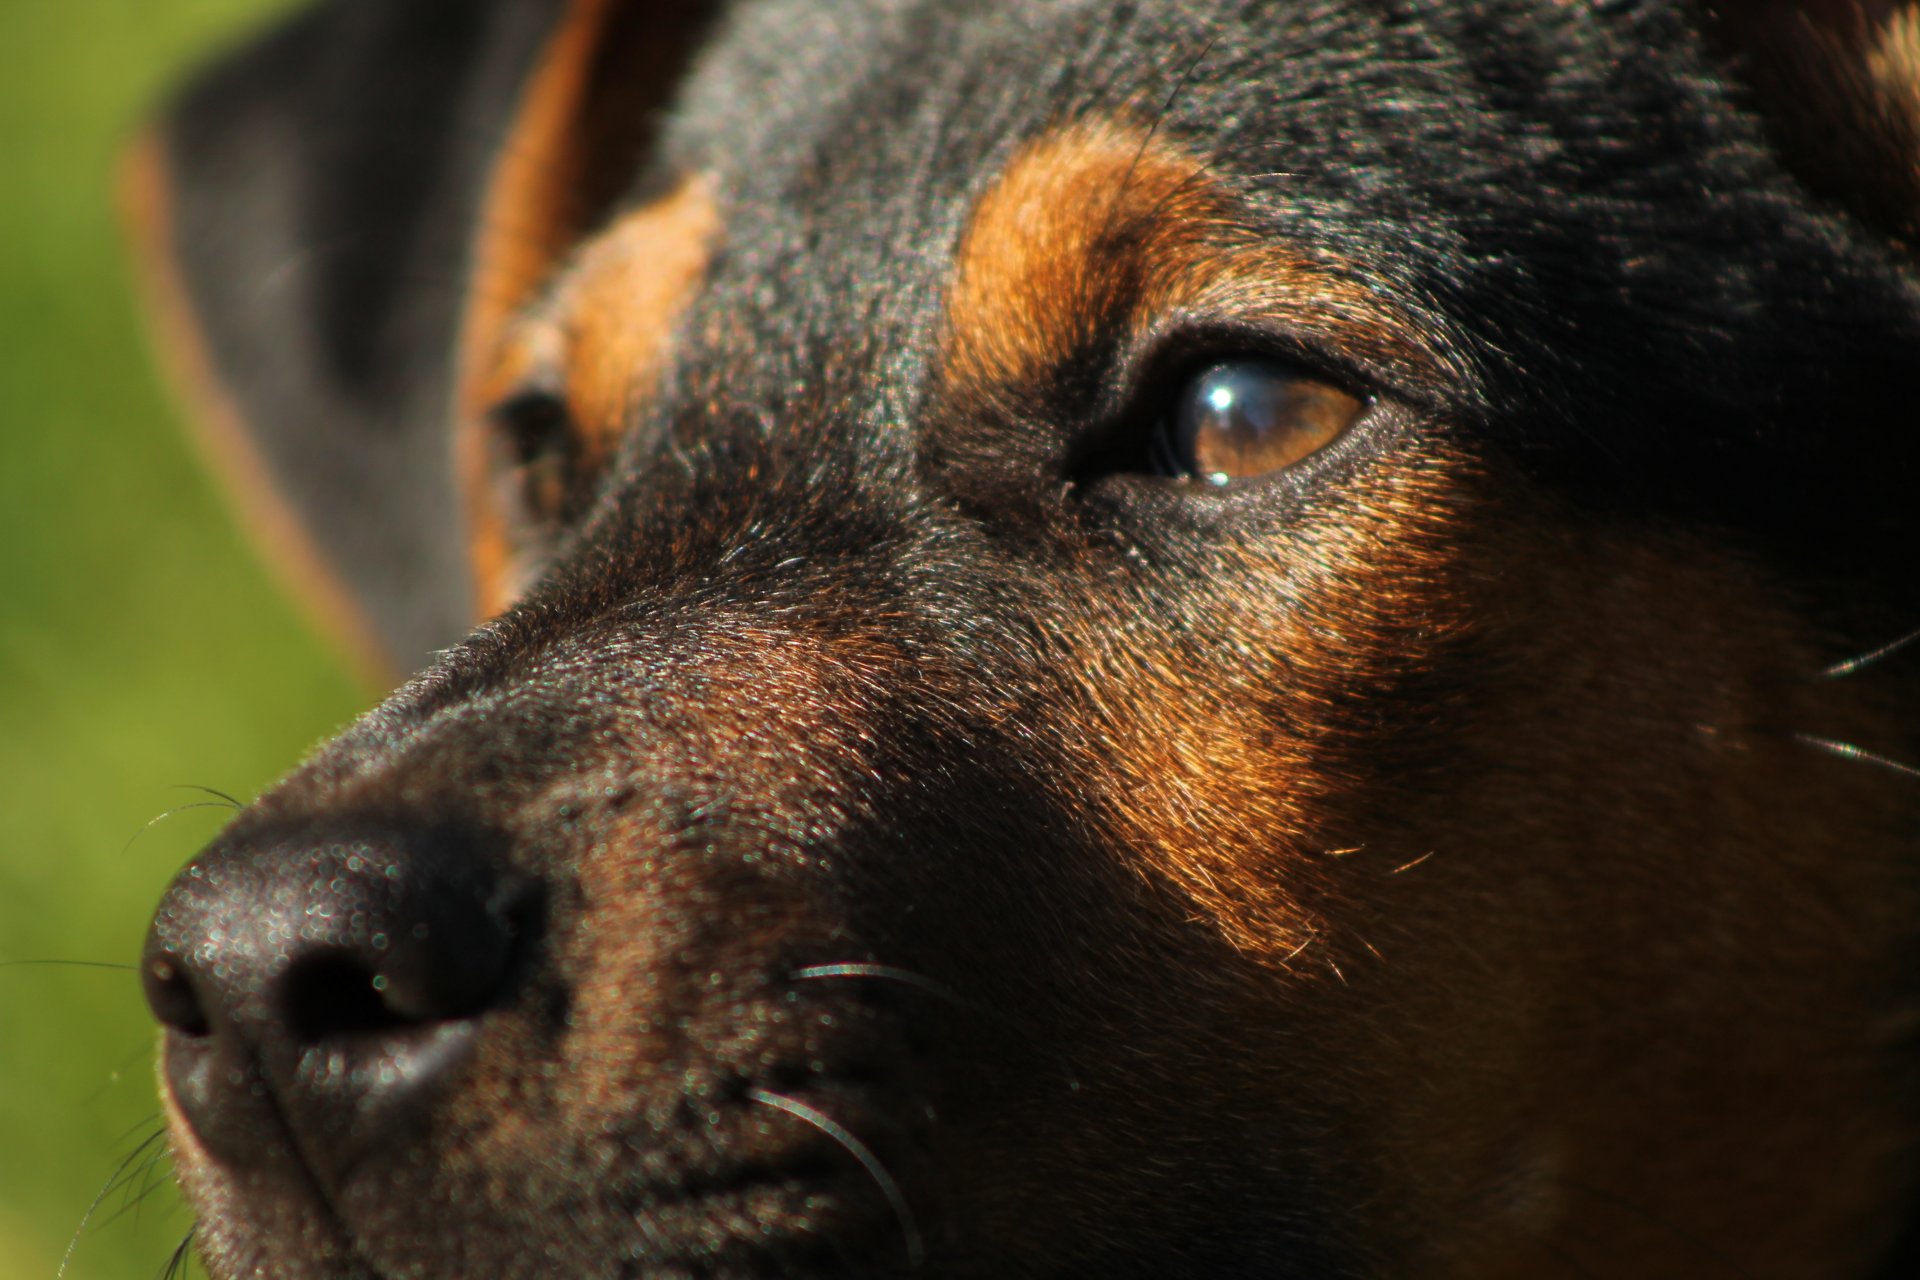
[[1248, 417], [536, 434], [534, 422]]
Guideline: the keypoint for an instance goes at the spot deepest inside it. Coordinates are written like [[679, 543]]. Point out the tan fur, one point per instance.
[[572, 145], [1649, 844], [603, 332], [1103, 218], [1893, 63], [1439, 774]]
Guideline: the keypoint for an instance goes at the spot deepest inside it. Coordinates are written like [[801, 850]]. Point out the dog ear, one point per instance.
[[1838, 84], [308, 215]]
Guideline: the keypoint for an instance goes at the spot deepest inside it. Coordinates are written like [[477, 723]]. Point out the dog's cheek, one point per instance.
[[1223, 731], [1696, 915], [1508, 810], [1239, 755]]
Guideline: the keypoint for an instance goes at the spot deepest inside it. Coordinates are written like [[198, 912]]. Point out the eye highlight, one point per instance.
[[1247, 417]]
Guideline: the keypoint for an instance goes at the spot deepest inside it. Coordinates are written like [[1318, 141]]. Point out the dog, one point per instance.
[[1134, 640]]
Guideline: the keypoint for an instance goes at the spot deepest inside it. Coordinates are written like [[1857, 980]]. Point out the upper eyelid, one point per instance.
[[1187, 335], [1421, 362], [1333, 312], [1179, 348], [534, 343]]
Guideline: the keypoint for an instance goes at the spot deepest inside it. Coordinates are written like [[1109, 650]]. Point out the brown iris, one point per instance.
[[1250, 417]]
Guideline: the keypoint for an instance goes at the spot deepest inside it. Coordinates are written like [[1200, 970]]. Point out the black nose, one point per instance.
[[319, 988]]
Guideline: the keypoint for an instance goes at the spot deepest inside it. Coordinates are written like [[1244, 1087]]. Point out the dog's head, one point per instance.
[[1131, 639]]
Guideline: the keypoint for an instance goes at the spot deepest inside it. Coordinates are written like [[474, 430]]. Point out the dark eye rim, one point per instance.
[[541, 481], [1127, 422], [534, 421]]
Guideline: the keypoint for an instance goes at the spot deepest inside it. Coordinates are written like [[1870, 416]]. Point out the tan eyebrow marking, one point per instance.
[[1101, 221], [620, 306], [603, 336], [532, 211], [581, 132], [1099, 225]]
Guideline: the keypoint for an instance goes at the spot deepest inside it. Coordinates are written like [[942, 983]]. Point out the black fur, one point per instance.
[[1642, 319]]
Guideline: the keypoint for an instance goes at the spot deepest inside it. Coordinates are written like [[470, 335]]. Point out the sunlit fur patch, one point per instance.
[[603, 327], [1102, 225], [1224, 759], [579, 131], [1893, 66], [531, 211], [1102, 222], [616, 311]]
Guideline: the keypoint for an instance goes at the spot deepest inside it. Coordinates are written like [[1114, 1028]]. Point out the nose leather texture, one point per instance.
[[338, 977]]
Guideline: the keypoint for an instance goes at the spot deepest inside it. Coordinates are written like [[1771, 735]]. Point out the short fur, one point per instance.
[[884, 820]]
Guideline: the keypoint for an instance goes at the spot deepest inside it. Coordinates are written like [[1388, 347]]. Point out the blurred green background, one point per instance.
[[142, 644]]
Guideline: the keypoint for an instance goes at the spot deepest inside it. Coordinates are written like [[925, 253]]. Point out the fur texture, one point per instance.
[[894, 816]]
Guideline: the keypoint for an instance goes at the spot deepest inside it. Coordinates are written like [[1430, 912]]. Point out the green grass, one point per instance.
[[141, 643]]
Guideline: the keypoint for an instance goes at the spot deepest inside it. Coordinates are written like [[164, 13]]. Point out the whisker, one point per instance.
[[151, 1118], [137, 1186], [1839, 670], [1153, 130], [1263, 176], [176, 1265], [114, 1181], [66, 964], [1203, 173], [1313, 935], [885, 972], [164, 814], [215, 792], [151, 1181], [1848, 751], [889, 1186]]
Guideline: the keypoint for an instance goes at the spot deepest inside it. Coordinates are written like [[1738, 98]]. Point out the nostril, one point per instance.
[[331, 994], [330, 984], [303, 942], [171, 996]]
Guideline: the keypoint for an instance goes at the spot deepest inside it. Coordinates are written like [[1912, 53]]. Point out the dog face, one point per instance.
[[1132, 640]]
